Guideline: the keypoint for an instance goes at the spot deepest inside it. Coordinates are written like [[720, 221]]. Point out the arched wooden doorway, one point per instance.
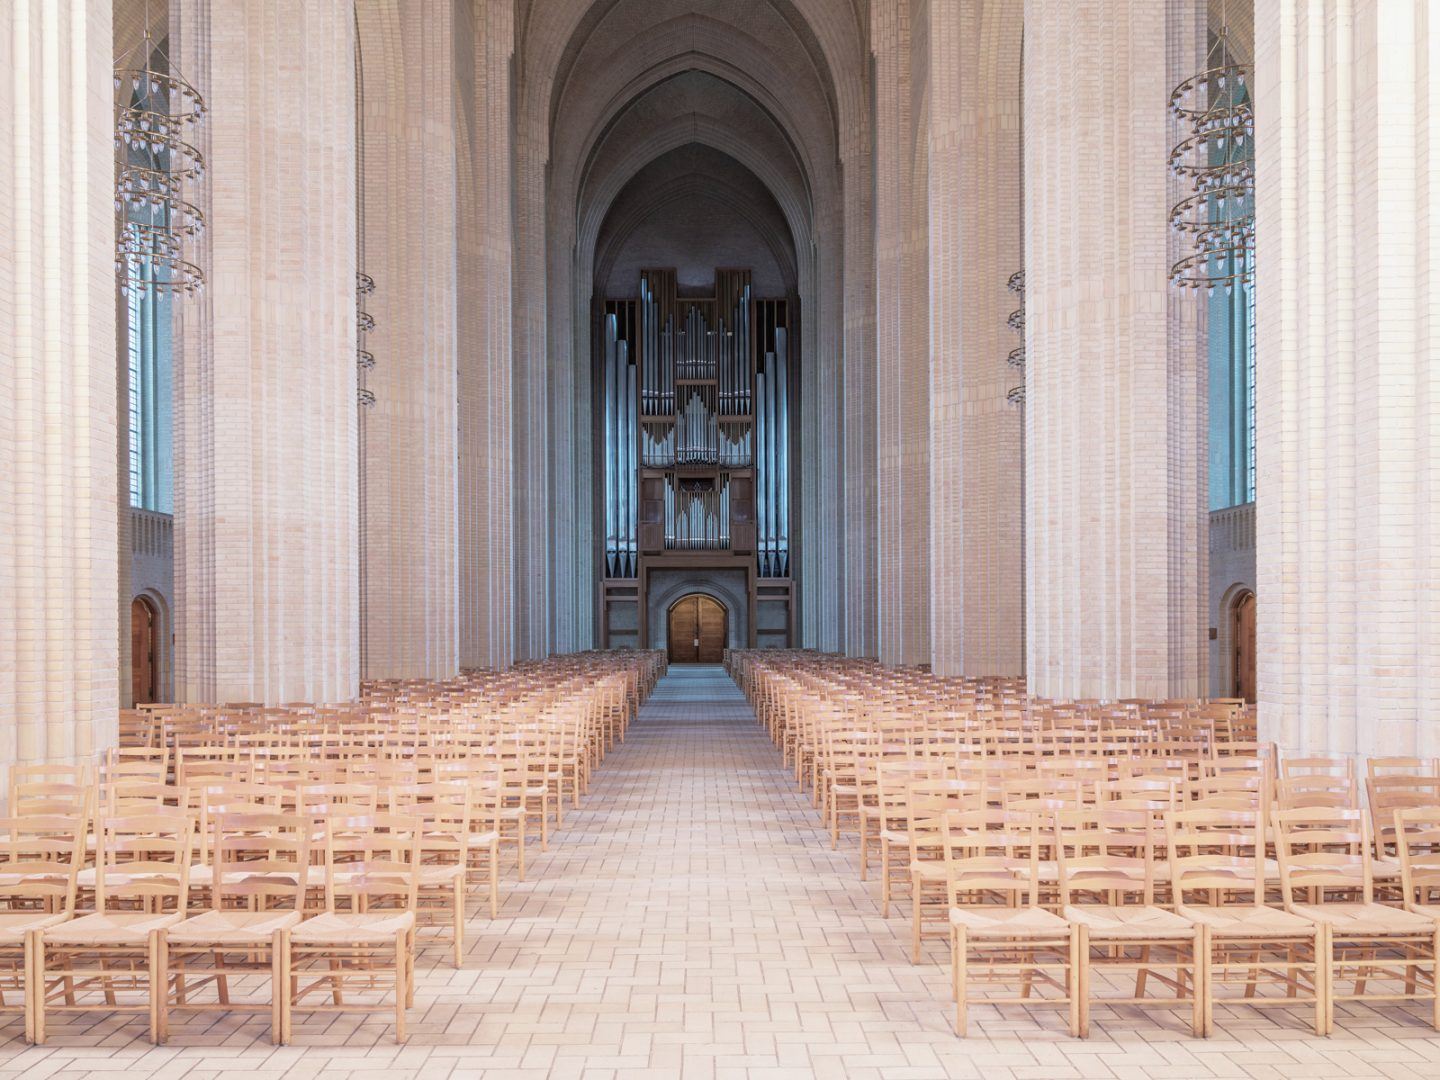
[[144, 644], [1242, 645], [697, 625]]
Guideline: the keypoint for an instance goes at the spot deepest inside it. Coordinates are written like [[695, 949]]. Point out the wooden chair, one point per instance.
[[42, 856], [1218, 882], [1107, 891], [261, 867], [365, 938], [999, 933], [143, 864], [444, 812], [1325, 876]]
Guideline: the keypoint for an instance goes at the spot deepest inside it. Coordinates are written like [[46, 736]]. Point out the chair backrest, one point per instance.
[[1323, 850], [1417, 835], [261, 860], [1215, 852], [42, 859], [983, 866], [372, 861], [144, 858], [1106, 853], [1313, 790], [1388, 794]]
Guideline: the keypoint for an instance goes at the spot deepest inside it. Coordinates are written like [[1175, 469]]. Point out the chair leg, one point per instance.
[[277, 986], [458, 901], [1083, 957], [37, 991], [959, 976], [401, 984], [159, 986], [29, 983], [1435, 977], [1197, 1009], [1072, 984]]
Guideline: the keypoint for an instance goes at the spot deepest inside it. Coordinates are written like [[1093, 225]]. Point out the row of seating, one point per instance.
[[1185, 858], [227, 850]]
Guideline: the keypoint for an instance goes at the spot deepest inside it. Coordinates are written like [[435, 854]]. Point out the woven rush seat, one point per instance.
[[1363, 918], [992, 920], [231, 927], [14, 925], [1248, 921], [345, 927], [1115, 923], [110, 928]]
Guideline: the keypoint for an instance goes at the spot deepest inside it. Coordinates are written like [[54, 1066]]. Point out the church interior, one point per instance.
[[720, 538]]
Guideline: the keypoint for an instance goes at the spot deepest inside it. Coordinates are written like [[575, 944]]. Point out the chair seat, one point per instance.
[[1250, 921], [894, 837], [200, 877], [339, 927], [1361, 919], [1385, 868], [14, 925], [110, 928], [991, 920], [441, 875], [231, 927], [482, 839], [1135, 922]]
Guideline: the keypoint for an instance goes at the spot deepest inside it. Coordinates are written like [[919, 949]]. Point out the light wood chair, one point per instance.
[[1326, 876], [1218, 881], [1107, 891], [41, 858], [143, 864], [365, 938], [999, 933], [261, 866]]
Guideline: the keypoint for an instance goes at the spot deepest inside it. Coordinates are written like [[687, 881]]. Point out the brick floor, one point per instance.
[[691, 920]]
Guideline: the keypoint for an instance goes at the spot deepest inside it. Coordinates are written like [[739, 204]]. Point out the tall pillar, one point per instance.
[[487, 511], [1115, 554], [59, 641], [1348, 395], [410, 574], [265, 426], [858, 452], [902, 553], [973, 221]]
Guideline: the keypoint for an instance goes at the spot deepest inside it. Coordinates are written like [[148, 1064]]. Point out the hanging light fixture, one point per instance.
[[1215, 164], [1016, 322], [156, 114]]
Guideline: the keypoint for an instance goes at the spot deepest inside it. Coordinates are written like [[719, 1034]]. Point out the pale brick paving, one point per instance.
[[692, 920]]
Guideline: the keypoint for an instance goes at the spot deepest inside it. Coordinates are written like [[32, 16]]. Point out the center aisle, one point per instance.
[[692, 916]]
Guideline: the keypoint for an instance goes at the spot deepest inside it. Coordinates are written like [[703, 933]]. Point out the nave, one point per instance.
[[692, 919]]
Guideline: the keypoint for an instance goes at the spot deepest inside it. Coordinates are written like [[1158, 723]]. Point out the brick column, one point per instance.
[[487, 514], [1114, 413], [973, 221], [59, 647], [411, 572], [265, 426], [902, 550], [1348, 500]]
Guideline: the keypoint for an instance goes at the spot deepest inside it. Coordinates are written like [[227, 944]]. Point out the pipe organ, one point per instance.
[[696, 447]]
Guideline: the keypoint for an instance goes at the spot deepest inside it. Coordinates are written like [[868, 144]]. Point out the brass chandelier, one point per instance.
[[156, 113], [1214, 161]]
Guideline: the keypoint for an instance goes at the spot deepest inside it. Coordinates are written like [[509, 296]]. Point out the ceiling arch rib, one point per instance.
[[690, 176]]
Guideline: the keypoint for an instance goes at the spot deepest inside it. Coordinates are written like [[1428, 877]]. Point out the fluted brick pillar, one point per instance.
[[411, 569], [59, 642], [1348, 377], [1115, 554], [265, 427], [485, 251]]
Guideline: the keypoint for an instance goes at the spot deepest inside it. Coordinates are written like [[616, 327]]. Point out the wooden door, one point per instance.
[[1242, 630], [697, 630], [142, 650]]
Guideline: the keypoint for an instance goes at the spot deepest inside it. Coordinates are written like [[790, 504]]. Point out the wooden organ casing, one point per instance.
[[696, 442]]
